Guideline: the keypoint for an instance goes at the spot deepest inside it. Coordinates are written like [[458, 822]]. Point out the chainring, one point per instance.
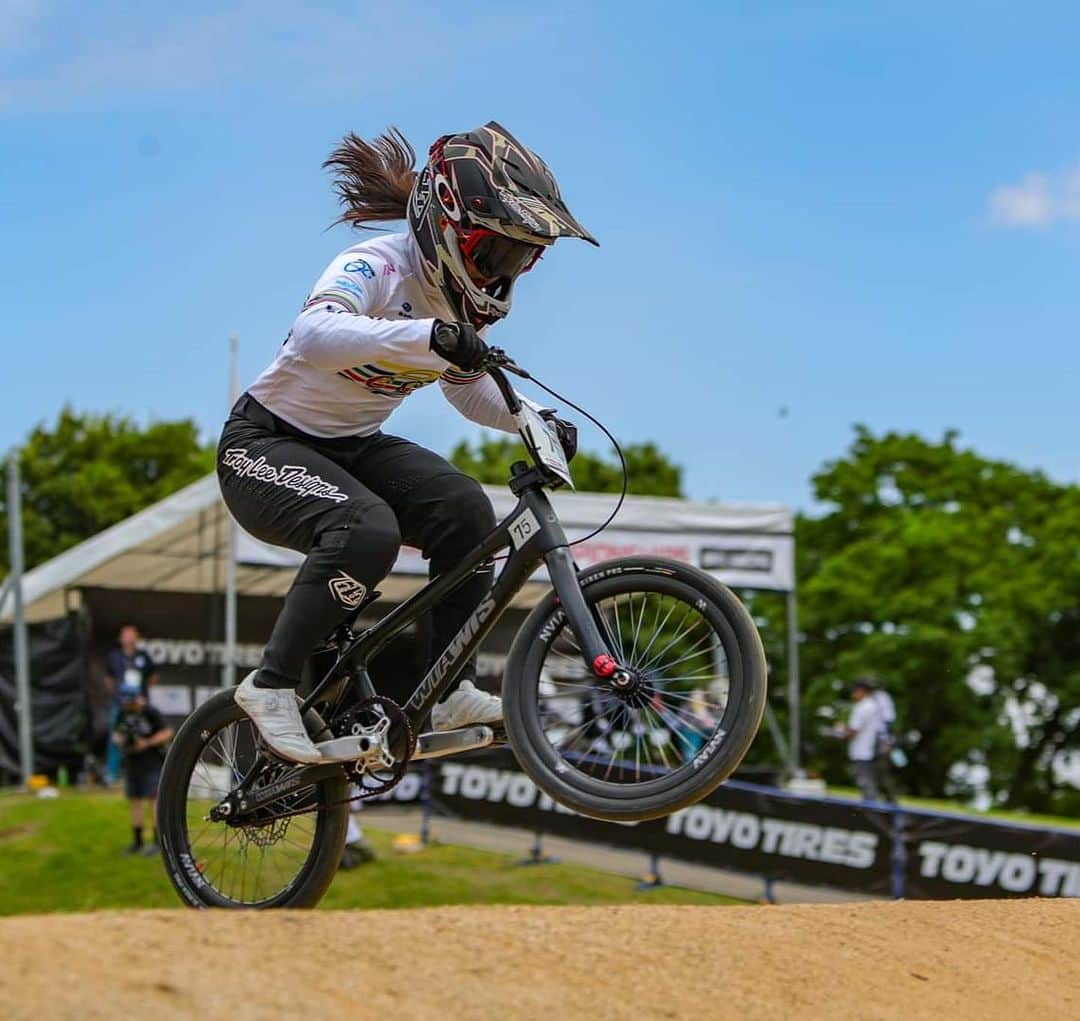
[[366, 782]]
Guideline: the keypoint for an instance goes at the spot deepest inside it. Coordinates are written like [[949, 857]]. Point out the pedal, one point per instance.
[[436, 744]]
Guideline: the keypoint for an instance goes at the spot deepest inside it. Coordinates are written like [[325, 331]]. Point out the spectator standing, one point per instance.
[[140, 734], [862, 731], [886, 741], [357, 850], [126, 664]]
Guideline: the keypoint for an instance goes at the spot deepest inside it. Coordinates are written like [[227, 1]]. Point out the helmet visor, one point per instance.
[[496, 255]]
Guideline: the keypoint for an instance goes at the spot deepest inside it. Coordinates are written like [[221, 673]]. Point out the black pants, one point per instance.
[[347, 504]]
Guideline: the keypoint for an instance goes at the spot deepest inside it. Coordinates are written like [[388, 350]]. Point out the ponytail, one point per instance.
[[373, 180]]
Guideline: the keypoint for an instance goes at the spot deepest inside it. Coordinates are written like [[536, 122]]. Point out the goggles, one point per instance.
[[496, 255]]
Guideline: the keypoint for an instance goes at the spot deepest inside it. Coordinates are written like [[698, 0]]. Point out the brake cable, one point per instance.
[[517, 370]]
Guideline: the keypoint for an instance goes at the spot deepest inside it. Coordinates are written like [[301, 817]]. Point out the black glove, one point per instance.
[[459, 344], [566, 431]]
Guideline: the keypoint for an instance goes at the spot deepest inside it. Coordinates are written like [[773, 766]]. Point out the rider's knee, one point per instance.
[[466, 512], [363, 541]]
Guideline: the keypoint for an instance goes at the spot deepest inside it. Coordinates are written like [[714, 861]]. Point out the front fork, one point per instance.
[[600, 661]]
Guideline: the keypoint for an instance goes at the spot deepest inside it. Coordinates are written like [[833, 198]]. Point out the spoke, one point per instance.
[[657, 661], [660, 747], [664, 679], [581, 727], [618, 631], [637, 629], [637, 747], [656, 626], [657, 633], [574, 684], [691, 654], [675, 730], [688, 719], [675, 640], [614, 750]]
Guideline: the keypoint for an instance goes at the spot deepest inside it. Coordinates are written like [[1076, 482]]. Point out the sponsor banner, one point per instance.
[[950, 856], [762, 831], [740, 827], [194, 652], [742, 560]]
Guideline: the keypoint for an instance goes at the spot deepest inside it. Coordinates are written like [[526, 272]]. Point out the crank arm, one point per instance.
[[450, 742]]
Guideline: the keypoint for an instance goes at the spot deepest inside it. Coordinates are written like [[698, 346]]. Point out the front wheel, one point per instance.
[[285, 856], [671, 735]]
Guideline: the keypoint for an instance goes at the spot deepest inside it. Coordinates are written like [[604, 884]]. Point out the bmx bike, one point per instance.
[[632, 689]]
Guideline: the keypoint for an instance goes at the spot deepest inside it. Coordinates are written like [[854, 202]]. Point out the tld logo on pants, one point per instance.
[[347, 591]]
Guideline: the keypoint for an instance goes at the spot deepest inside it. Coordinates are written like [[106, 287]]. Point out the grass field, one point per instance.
[[65, 855]]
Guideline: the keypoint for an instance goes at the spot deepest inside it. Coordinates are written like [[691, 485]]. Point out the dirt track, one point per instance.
[[990, 959]]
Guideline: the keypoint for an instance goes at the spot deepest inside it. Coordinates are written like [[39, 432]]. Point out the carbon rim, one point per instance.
[[255, 863]]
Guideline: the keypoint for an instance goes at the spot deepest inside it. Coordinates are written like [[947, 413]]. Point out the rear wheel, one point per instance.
[[284, 857], [678, 727]]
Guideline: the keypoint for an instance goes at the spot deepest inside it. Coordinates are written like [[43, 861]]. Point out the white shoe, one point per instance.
[[276, 714], [466, 705]]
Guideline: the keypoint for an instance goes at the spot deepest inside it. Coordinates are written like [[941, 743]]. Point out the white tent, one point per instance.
[[179, 545]]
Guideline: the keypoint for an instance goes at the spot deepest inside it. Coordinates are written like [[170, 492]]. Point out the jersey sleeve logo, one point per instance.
[[390, 380]]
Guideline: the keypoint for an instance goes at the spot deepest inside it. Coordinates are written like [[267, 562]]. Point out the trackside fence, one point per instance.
[[863, 847]]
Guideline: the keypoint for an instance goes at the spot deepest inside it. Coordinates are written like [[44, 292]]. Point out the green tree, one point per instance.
[[956, 580], [90, 471], [651, 472]]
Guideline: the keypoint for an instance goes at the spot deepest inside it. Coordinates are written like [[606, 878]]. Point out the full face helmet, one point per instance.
[[482, 211]]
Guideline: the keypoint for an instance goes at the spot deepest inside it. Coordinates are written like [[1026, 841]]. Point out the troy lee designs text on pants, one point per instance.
[[289, 476]]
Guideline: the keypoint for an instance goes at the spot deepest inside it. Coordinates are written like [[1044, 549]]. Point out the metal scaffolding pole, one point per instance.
[[794, 694], [22, 655], [228, 672]]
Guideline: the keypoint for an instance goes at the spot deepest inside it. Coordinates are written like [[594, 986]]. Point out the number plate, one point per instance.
[[523, 528]]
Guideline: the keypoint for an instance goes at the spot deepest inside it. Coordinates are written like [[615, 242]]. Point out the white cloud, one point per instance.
[[1039, 200]]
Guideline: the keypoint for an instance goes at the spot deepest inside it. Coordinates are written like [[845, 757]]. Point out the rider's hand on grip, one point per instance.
[[566, 431], [459, 344]]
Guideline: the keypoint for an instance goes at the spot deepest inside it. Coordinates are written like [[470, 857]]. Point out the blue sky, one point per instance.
[[855, 212]]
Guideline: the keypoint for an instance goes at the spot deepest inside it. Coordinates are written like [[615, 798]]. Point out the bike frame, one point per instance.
[[533, 534]]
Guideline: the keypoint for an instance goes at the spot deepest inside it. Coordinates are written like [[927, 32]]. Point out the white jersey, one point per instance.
[[360, 346]]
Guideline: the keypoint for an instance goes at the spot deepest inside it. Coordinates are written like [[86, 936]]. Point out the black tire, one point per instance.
[[655, 790], [301, 885]]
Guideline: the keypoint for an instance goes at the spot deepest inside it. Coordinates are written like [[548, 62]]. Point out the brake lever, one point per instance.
[[498, 357]]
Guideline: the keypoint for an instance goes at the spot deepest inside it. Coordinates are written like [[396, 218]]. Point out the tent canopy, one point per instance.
[[180, 544]]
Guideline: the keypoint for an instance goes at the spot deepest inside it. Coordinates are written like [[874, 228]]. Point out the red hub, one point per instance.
[[604, 665]]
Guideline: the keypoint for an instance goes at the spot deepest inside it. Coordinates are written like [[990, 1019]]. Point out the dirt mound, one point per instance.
[[989, 959]]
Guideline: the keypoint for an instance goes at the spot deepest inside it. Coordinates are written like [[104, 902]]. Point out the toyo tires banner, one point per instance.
[[743, 827], [740, 826], [950, 856]]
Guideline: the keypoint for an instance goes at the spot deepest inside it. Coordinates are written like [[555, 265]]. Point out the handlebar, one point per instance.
[[496, 365]]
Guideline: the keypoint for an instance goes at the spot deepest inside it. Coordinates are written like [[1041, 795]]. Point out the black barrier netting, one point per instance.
[[58, 696]]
